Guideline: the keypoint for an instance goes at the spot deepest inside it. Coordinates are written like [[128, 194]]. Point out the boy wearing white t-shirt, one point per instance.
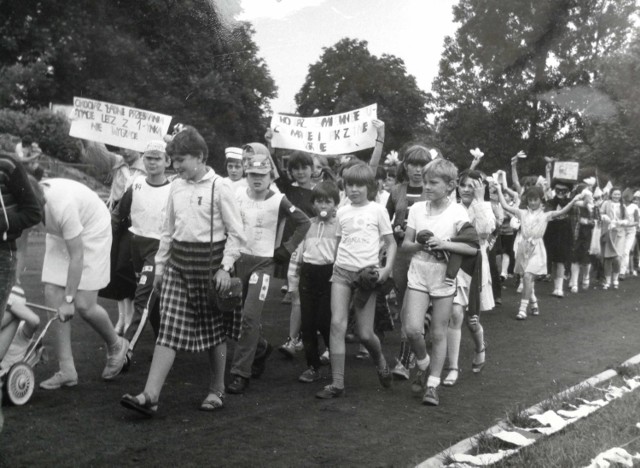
[[427, 282], [142, 211]]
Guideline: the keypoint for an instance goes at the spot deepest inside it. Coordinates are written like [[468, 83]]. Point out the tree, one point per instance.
[[176, 58], [348, 76], [509, 56]]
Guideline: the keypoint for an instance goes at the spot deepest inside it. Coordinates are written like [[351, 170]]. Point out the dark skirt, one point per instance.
[[188, 321], [582, 244], [558, 240]]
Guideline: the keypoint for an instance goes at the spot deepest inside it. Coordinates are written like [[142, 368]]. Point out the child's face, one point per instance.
[[357, 194], [301, 174], [187, 166], [436, 188], [562, 191], [389, 182], [258, 183], [466, 190], [234, 170], [155, 163], [317, 169], [414, 173], [616, 195], [534, 203], [325, 207]]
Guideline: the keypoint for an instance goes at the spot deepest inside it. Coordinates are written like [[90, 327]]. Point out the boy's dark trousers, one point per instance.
[[315, 308], [143, 252]]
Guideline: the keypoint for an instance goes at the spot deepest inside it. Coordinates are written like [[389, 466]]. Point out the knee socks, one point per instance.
[[337, 369]]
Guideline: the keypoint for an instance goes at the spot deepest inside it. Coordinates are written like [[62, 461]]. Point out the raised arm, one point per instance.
[[377, 149]]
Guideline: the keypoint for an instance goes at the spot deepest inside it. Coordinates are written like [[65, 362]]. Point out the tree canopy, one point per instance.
[[347, 76], [510, 62], [176, 58]]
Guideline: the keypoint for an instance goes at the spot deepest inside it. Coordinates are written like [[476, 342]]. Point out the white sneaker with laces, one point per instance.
[[288, 348], [400, 371]]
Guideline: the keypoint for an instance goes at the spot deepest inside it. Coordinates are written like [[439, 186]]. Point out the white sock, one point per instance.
[[523, 305], [433, 381], [423, 363]]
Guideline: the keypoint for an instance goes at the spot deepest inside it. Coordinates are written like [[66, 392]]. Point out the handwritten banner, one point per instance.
[[331, 134], [113, 124]]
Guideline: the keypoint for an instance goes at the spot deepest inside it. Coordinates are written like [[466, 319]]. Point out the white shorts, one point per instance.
[[429, 277]]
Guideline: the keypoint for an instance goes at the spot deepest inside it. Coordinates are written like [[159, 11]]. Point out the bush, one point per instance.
[[50, 130]]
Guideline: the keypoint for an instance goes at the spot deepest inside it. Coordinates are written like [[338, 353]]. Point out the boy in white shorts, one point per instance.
[[427, 282]]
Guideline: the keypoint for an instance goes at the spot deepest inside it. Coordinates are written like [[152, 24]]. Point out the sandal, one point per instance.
[[477, 367], [214, 401], [452, 378], [147, 407]]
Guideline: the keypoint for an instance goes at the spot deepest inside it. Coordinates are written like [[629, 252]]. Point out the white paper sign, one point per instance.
[[113, 124], [565, 170], [330, 134]]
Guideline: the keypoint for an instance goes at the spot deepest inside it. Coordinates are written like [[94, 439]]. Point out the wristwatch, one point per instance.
[[68, 299]]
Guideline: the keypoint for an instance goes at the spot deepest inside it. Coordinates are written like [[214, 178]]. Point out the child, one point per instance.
[[587, 216], [426, 279], [233, 165], [614, 222], [361, 224], [17, 328], [142, 211], [262, 211], [313, 264], [298, 192], [531, 256]]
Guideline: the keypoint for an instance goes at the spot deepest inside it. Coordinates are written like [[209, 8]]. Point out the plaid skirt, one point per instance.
[[188, 322]]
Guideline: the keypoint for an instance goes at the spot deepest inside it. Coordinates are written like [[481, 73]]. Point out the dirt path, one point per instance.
[[278, 422]]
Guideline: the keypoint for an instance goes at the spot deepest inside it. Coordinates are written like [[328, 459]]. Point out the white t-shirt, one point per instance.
[[360, 229], [444, 225], [148, 206]]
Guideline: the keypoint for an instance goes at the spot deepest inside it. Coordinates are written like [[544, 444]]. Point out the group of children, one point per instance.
[[344, 237]]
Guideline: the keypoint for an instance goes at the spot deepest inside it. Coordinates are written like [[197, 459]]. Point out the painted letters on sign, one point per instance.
[[330, 134]]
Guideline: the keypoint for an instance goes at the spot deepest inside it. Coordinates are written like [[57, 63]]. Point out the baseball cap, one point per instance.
[[158, 146], [258, 164], [233, 153]]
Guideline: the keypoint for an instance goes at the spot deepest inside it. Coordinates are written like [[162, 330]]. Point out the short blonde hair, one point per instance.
[[442, 168]]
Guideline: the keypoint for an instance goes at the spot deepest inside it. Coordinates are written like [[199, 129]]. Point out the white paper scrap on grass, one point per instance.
[[551, 419], [580, 412], [330, 134], [633, 383], [482, 459], [614, 456], [113, 124], [515, 438]]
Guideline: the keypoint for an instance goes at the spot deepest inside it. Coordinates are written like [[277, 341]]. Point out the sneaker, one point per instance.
[[325, 358], [616, 285], [385, 377], [534, 309], [329, 392], [288, 348], [298, 344], [309, 376], [116, 361], [419, 381], [400, 371], [363, 353], [59, 380], [431, 397], [557, 293], [574, 289], [606, 286]]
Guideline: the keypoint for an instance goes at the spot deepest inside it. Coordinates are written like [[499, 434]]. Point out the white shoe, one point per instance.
[[59, 380], [558, 293], [298, 345], [574, 289], [400, 371], [288, 348]]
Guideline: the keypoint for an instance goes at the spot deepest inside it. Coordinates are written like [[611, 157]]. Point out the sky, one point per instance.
[[291, 34]]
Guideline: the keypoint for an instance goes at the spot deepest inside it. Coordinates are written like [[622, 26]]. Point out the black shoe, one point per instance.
[[260, 363], [238, 385]]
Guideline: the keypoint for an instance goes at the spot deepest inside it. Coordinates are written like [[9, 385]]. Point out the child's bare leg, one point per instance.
[[415, 308], [575, 274], [364, 328], [53, 297], [217, 365], [30, 318], [441, 315], [454, 335], [527, 291], [558, 278], [477, 333], [161, 364], [340, 298]]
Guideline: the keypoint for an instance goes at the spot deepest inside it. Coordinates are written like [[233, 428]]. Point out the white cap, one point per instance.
[[233, 153], [156, 145]]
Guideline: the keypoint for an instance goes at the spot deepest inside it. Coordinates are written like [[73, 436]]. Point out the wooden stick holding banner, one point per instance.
[[113, 124], [330, 135]]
